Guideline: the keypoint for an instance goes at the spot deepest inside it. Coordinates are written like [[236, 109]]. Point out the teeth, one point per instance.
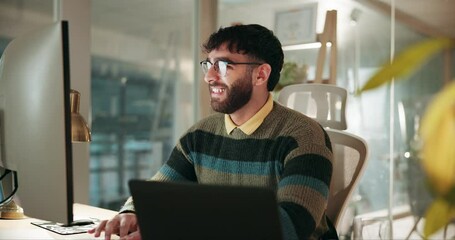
[[218, 90]]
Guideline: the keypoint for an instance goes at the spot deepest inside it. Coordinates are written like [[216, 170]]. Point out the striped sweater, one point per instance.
[[288, 152]]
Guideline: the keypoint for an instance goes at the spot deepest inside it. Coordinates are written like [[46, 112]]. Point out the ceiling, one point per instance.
[[436, 16]]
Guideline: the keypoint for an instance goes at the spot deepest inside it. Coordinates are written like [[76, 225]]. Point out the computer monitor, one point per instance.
[[35, 121]]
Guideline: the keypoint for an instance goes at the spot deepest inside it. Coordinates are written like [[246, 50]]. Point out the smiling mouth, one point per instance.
[[217, 90]]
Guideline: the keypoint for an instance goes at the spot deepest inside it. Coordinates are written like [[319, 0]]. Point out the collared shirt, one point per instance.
[[254, 122]]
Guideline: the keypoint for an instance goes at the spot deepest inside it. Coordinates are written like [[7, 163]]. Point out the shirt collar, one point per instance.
[[254, 122]]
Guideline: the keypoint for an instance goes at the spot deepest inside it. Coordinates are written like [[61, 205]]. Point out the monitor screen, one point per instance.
[[35, 121]]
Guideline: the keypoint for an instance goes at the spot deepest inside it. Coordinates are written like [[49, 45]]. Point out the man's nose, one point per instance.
[[211, 75]]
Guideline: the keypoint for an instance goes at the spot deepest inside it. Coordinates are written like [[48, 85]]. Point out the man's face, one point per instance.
[[229, 90]]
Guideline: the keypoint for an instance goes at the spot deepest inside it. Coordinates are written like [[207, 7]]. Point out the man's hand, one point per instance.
[[123, 224]]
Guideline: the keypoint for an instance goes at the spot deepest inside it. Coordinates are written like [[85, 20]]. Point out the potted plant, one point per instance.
[[292, 73]]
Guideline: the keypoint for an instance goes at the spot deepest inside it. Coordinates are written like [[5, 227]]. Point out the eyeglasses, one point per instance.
[[221, 66]]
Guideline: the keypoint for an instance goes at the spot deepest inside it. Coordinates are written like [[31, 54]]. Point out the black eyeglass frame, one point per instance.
[[206, 68]]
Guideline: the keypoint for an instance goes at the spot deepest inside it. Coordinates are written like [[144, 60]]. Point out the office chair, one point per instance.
[[325, 103], [349, 161]]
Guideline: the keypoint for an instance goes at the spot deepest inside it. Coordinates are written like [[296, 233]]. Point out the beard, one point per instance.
[[237, 96]]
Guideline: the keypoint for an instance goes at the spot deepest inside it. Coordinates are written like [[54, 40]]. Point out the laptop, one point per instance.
[[173, 211]]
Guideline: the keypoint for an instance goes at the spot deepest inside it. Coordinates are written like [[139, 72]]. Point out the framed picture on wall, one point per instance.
[[297, 26]]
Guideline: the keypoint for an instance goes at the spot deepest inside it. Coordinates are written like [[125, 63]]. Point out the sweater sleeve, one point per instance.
[[303, 190]]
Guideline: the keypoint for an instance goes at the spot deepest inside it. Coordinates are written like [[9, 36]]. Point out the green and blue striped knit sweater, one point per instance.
[[288, 152]]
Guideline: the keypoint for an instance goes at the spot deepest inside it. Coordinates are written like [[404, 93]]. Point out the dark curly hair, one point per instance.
[[254, 40]]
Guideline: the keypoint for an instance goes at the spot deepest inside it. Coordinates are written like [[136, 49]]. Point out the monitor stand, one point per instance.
[[76, 227]]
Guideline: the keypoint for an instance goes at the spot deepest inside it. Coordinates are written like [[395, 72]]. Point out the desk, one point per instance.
[[23, 229]]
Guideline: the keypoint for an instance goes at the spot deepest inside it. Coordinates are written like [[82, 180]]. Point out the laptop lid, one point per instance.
[[197, 211]]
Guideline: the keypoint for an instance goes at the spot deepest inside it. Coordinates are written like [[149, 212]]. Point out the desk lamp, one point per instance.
[[80, 132]]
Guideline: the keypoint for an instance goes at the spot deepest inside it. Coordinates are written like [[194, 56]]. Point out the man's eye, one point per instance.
[[228, 64]]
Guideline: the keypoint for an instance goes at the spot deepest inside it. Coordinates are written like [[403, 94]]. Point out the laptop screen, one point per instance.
[[197, 211]]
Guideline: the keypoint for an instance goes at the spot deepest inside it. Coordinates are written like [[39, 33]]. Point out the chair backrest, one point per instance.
[[326, 103], [349, 161]]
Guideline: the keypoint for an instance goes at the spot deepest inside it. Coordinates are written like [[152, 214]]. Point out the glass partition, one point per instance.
[[142, 84], [364, 45], [142, 91]]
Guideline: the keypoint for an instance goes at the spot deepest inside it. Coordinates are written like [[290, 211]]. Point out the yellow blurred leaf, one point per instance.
[[437, 216], [438, 135], [408, 60]]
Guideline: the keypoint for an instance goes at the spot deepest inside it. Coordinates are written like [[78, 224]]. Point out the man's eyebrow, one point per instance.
[[221, 59]]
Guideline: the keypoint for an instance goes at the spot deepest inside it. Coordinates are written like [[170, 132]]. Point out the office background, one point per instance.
[[145, 86]]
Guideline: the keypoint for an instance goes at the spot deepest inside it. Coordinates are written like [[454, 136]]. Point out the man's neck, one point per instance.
[[242, 115]]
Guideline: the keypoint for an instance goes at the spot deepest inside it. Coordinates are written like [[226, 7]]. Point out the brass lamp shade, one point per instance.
[[80, 132]]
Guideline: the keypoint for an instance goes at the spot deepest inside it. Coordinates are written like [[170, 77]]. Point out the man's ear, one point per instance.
[[263, 73]]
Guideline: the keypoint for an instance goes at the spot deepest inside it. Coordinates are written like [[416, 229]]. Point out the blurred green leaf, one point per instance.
[[408, 60], [437, 216], [438, 134], [438, 123]]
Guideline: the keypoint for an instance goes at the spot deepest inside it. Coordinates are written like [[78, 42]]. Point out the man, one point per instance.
[[252, 141]]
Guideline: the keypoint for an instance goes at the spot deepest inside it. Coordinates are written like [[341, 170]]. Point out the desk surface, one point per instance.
[[23, 229]]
